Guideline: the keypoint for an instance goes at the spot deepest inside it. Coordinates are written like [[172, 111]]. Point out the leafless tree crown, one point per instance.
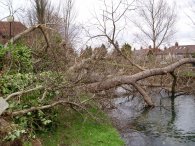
[[156, 22]]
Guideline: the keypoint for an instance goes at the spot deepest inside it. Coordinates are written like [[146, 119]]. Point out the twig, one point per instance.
[[23, 92], [88, 99], [44, 95], [25, 111]]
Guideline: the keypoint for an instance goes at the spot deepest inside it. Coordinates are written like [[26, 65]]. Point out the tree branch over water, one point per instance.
[[132, 79]]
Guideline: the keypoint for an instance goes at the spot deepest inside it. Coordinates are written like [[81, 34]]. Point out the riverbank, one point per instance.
[[75, 129]]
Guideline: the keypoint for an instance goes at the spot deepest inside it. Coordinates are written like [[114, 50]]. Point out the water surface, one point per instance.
[[171, 124]]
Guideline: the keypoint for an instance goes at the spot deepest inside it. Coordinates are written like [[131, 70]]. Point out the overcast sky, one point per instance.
[[185, 31]]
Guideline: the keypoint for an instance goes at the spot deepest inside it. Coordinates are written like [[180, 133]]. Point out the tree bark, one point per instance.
[[173, 84], [146, 97], [132, 79]]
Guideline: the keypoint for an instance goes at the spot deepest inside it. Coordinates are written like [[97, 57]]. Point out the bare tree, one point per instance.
[[42, 12], [112, 22], [60, 17], [156, 23], [10, 10], [68, 27], [191, 12], [107, 23]]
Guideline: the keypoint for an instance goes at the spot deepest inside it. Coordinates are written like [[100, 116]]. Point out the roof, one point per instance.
[[16, 27], [144, 52], [179, 50]]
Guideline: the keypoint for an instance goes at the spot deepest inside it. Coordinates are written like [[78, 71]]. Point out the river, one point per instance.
[[172, 123]]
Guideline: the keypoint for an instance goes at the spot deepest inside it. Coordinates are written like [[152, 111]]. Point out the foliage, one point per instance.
[[187, 74], [14, 134], [18, 75], [193, 55], [1, 46], [103, 46], [87, 52], [126, 50], [32, 122], [101, 52], [16, 58], [15, 82], [10, 83], [37, 121]]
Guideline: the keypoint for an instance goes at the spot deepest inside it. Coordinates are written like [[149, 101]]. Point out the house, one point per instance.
[[179, 51], [10, 29], [144, 54], [175, 52]]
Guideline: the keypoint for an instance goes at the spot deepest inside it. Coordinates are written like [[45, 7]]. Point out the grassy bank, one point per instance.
[[75, 129]]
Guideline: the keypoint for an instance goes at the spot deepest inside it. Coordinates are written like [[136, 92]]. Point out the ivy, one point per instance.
[[15, 82], [17, 75], [17, 58]]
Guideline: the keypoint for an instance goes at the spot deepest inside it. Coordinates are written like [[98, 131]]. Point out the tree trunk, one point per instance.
[[132, 79], [173, 84], [146, 97]]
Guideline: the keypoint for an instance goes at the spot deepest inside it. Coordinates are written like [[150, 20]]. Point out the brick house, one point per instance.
[[6, 34], [144, 54], [179, 51]]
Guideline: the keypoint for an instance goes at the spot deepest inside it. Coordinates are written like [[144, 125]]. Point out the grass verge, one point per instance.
[[75, 129]]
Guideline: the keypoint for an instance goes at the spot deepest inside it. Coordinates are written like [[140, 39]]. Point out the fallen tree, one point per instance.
[[109, 83], [64, 87], [125, 79], [113, 81]]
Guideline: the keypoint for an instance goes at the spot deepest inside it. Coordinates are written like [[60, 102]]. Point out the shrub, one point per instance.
[[16, 58]]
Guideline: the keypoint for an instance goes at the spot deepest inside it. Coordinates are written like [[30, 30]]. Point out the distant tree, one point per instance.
[[41, 12], [7, 8], [101, 52], [68, 27], [193, 55], [126, 49], [156, 23], [107, 25], [103, 46], [116, 52], [87, 52], [191, 5], [117, 45]]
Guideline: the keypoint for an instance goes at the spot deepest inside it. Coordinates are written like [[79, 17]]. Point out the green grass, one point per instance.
[[188, 74], [74, 130]]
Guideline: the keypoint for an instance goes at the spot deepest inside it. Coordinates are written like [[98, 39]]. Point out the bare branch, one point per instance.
[[22, 112], [132, 79], [156, 23], [112, 15], [27, 31], [23, 92]]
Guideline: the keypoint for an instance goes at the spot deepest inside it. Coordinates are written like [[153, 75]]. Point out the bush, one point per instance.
[[16, 58], [126, 50]]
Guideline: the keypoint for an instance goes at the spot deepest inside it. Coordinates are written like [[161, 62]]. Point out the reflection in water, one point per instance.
[[185, 121], [173, 113], [170, 125]]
